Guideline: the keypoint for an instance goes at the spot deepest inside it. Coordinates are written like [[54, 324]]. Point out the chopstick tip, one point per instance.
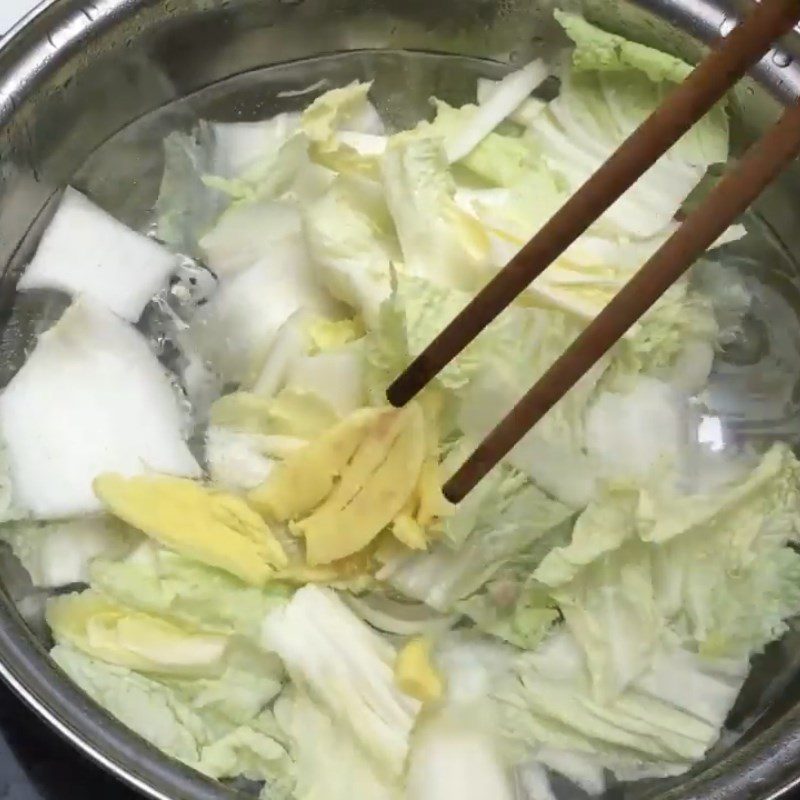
[[394, 397], [452, 493], [402, 390]]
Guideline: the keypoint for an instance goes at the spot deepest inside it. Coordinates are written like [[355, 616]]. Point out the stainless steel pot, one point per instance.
[[78, 72]]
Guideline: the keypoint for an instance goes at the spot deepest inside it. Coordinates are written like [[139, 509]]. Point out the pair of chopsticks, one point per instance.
[[705, 86]]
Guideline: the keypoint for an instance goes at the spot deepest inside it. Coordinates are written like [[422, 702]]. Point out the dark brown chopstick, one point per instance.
[[704, 87], [730, 198]]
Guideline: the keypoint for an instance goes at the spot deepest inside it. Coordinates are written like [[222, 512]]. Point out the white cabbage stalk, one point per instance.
[[92, 398], [236, 459], [290, 343], [366, 144], [348, 234], [506, 97], [251, 232], [238, 146], [365, 120], [449, 760], [524, 114], [335, 376], [85, 251], [60, 553], [237, 327], [348, 669], [439, 241], [328, 763]]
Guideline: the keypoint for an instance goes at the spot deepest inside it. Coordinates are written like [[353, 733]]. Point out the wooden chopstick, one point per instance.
[[704, 87], [733, 194]]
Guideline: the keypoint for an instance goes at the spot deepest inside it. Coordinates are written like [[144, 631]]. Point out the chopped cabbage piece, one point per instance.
[[490, 538], [61, 553], [240, 146], [505, 98], [611, 88], [328, 763], [237, 327], [162, 582], [248, 233], [336, 377], [659, 726], [85, 251], [439, 241], [451, 761], [118, 635], [342, 490], [291, 415], [553, 453], [314, 356], [216, 725], [237, 460], [645, 565], [348, 669], [329, 123], [526, 111], [117, 411], [353, 244], [214, 527], [641, 431]]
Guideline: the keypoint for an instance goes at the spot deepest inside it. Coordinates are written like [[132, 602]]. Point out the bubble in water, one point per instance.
[[506, 8], [749, 345], [781, 58]]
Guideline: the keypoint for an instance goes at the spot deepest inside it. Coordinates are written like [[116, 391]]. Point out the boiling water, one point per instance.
[[754, 393]]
